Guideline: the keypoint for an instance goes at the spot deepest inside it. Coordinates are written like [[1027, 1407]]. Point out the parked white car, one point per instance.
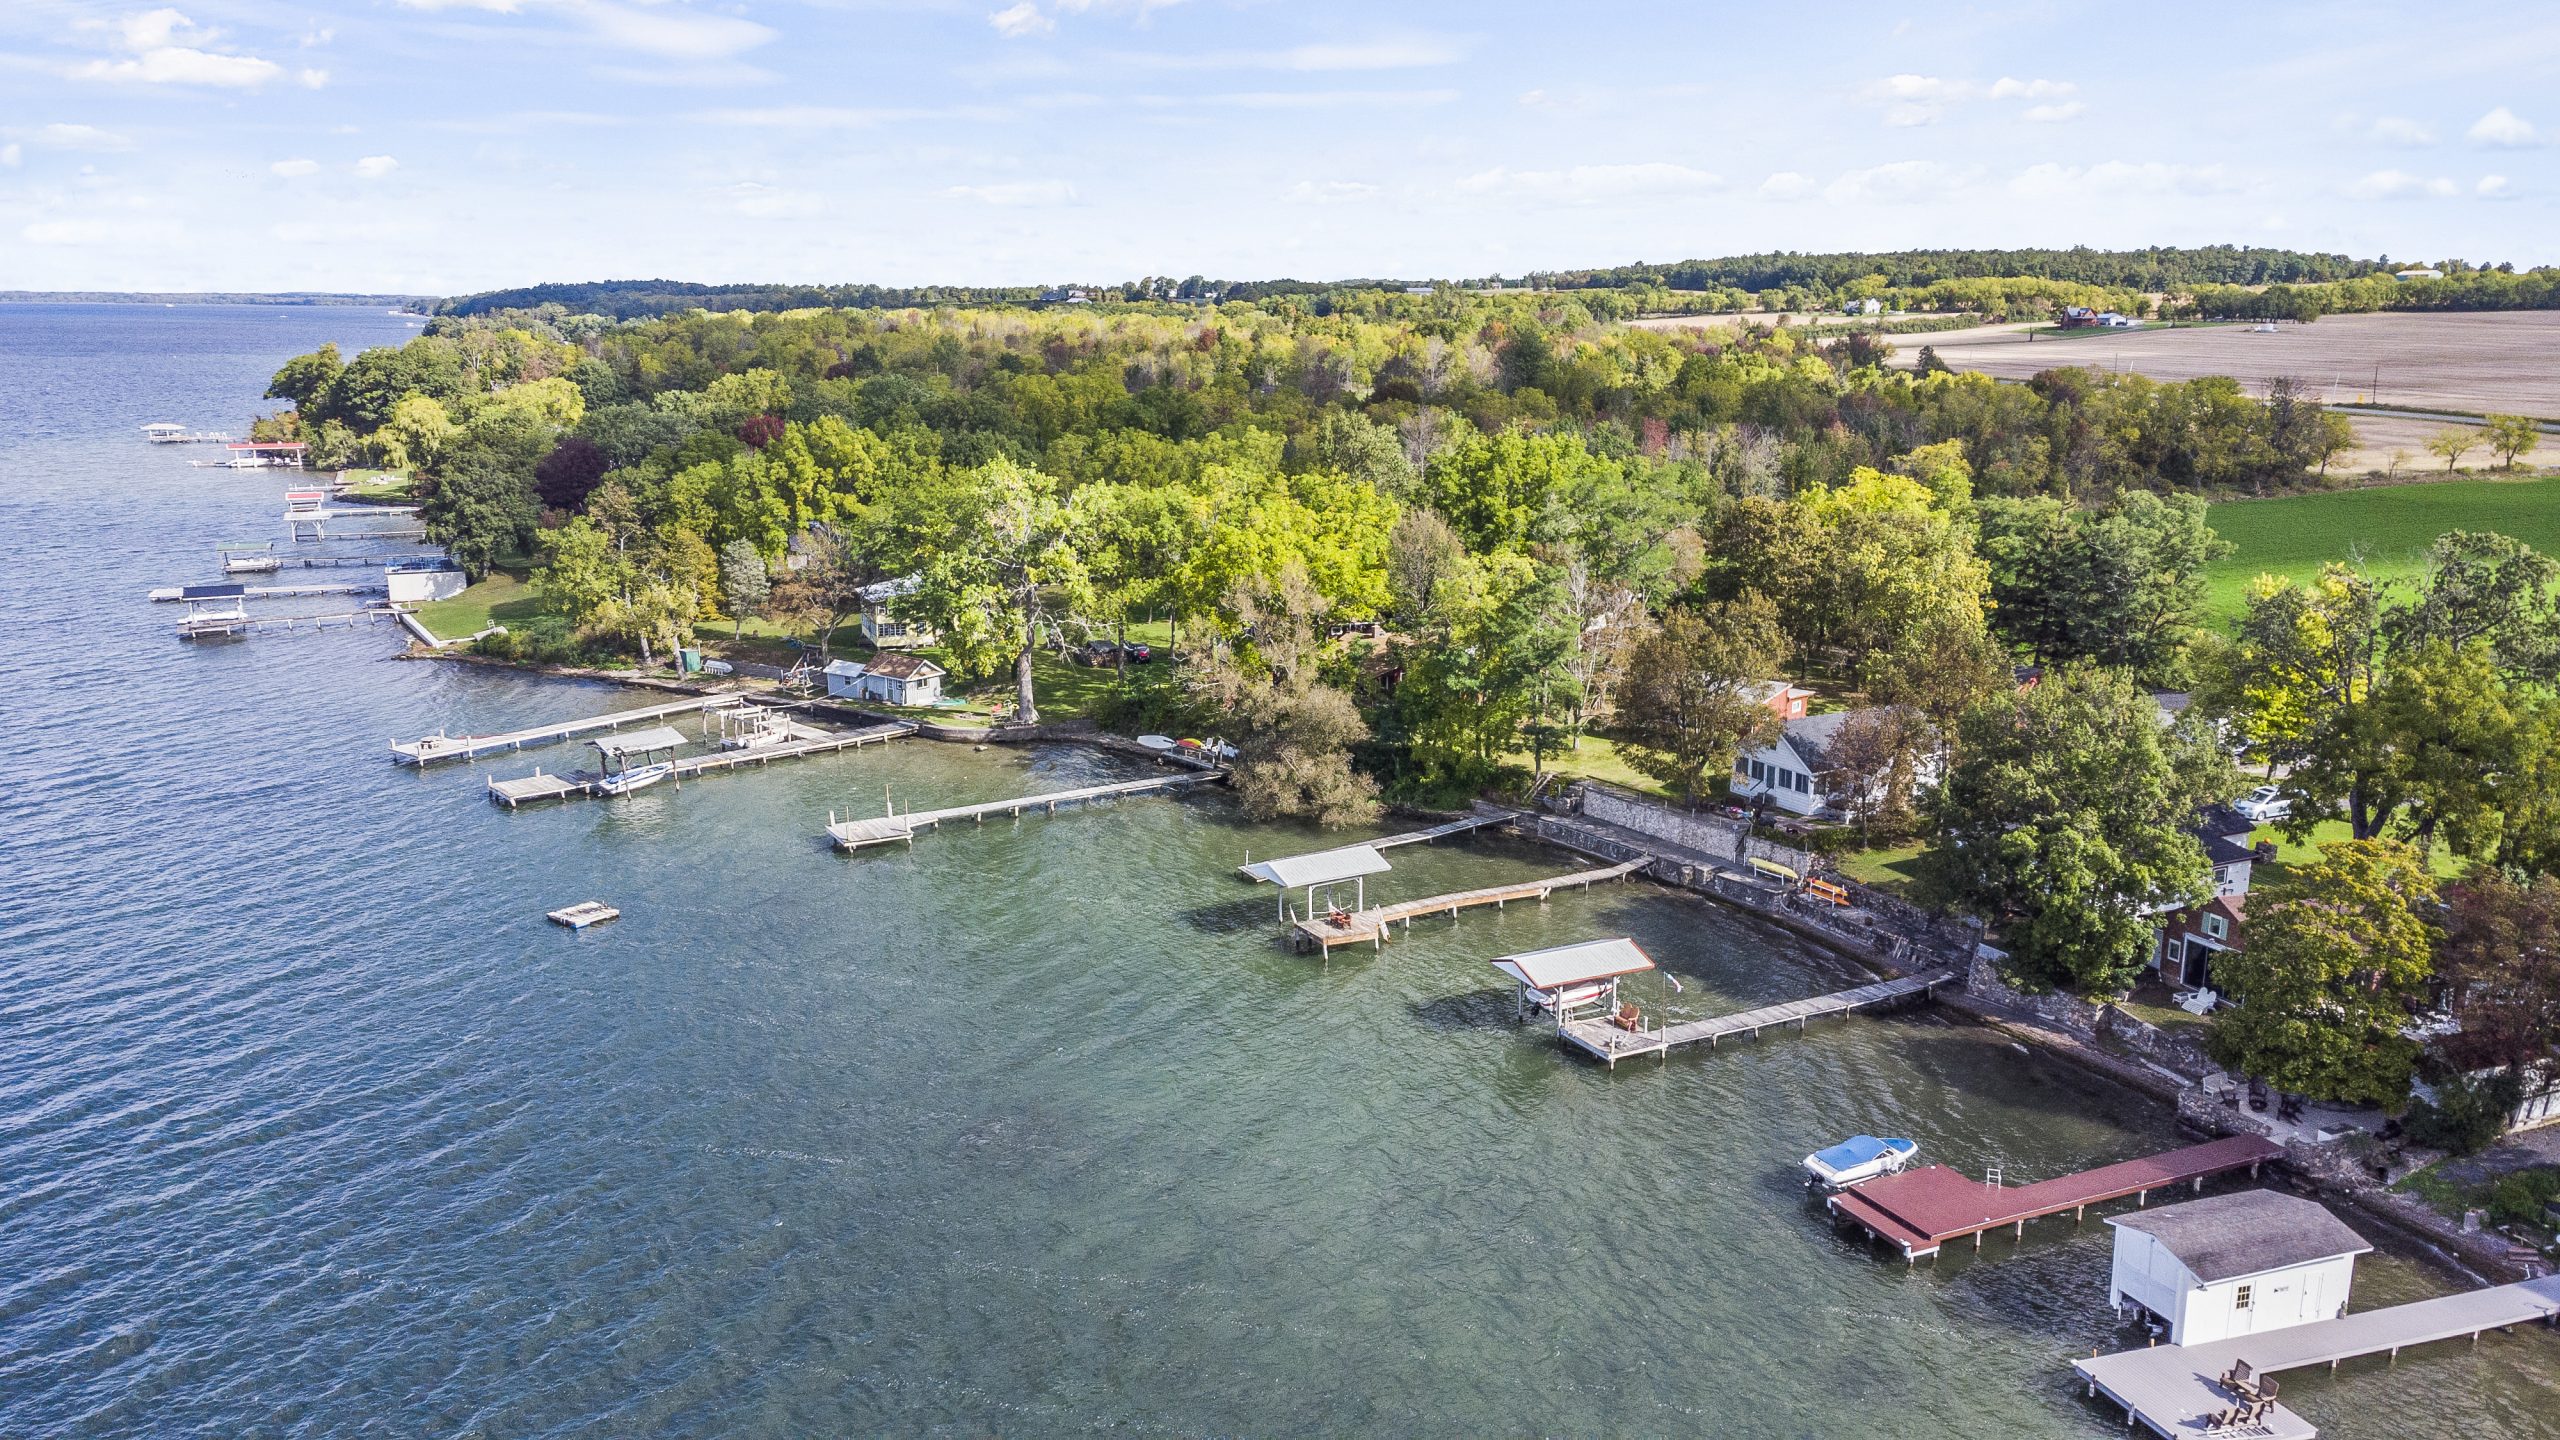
[[2264, 806]]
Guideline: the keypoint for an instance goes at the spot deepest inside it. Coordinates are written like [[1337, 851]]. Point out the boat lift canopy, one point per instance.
[[1581, 963], [640, 742], [1313, 872]]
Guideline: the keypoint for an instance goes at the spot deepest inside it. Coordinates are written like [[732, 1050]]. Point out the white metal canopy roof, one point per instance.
[[659, 737], [1575, 964], [1322, 868]]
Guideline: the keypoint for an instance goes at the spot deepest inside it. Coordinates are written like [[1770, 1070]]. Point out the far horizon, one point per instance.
[[441, 147]]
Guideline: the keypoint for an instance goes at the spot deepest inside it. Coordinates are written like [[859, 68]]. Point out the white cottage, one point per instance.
[[2234, 1264], [1799, 771], [889, 679]]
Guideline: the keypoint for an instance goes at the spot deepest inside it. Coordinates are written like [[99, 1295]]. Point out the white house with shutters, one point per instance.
[[1800, 770], [2234, 1264]]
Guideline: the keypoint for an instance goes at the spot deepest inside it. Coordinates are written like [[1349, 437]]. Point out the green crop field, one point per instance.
[[2388, 528]]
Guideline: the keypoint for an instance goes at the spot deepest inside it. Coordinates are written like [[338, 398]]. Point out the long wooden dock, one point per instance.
[[1919, 1211], [1612, 1044], [2171, 1389], [1369, 927], [428, 750], [854, 834], [807, 740], [1459, 826]]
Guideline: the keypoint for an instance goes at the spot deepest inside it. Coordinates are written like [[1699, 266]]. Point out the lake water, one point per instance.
[[311, 1125]]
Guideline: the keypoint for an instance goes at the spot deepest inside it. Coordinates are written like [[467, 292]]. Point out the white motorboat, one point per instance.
[[1858, 1158]]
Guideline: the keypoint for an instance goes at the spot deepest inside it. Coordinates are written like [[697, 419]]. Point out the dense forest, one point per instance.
[[2155, 269], [1558, 529]]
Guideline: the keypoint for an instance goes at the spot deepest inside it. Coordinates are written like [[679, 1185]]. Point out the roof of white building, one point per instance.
[[1321, 868], [2248, 1232], [1575, 964]]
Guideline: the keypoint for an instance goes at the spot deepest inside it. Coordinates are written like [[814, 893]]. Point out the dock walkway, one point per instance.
[[1612, 1044], [1369, 927], [807, 740], [2172, 1388], [1919, 1211], [854, 834], [1388, 842], [432, 748]]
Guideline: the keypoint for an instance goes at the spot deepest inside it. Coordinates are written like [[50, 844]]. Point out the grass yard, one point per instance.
[[2292, 852], [388, 486], [503, 597], [1890, 868], [1600, 759], [2387, 528]]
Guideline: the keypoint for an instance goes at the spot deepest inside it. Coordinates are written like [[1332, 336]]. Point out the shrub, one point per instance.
[[2469, 1114], [2521, 1198]]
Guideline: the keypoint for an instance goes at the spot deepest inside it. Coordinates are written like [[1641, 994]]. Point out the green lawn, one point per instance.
[[1890, 868], [503, 597], [382, 485], [2295, 852], [2388, 527], [1599, 758]]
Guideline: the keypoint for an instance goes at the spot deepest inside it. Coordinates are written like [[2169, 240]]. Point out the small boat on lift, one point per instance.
[[653, 750], [1858, 1158]]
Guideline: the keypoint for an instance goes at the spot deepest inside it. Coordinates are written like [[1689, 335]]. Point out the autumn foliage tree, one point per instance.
[[2340, 951]]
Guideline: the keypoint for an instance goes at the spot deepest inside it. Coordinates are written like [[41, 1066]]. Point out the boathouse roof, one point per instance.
[[2248, 1232], [656, 737], [1575, 964], [1324, 867]]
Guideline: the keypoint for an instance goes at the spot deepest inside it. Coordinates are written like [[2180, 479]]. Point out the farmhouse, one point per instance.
[[2234, 1265], [2191, 936], [881, 624], [888, 679], [1801, 770]]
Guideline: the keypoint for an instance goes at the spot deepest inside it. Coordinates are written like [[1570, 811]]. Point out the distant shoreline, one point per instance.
[[418, 303]]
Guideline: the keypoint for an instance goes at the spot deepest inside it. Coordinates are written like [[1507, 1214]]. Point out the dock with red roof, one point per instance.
[[1919, 1211]]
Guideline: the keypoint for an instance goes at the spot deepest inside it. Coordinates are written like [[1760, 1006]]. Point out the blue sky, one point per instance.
[[447, 145]]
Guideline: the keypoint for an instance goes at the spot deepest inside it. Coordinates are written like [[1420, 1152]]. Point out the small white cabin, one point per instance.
[[888, 679], [2234, 1264]]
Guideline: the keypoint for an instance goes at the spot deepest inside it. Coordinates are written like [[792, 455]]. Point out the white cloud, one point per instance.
[[671, 34], [2053, 114], [1330, 192], [1788, 185], [295, 169], [2394, 130], [496, 7], [1583, 183], [1015, 193], [1902, 182], [1015, 21], [169, 49], [2121, 178], [2503, 126], [179, 65], [311, 79], [79, 137], [2397, 184], [1910, 99], [154, 29], [10, 155], [2493, 187], [374, 167]]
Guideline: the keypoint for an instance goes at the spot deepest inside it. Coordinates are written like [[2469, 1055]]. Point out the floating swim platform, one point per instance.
[[584, 914]]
